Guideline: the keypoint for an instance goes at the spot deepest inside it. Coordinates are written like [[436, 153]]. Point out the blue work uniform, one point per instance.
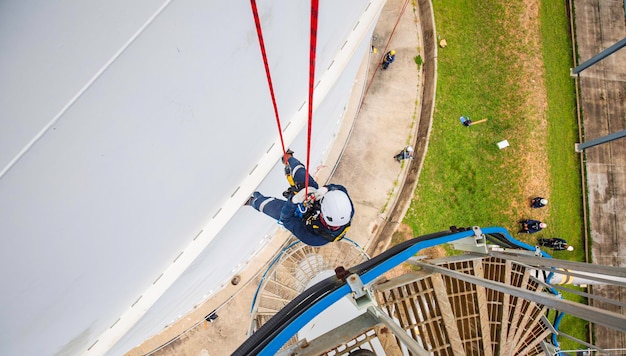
[[530, 226], [306, 227], [389, 58], [554, 243], [298, 174], [536, 203]]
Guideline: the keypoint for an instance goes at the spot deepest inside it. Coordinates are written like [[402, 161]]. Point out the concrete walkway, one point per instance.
[[600, 24], [393, 109]]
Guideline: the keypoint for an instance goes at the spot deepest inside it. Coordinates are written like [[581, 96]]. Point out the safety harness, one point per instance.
[[314, 221], [289, 174]]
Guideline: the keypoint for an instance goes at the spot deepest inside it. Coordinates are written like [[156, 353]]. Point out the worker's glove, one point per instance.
[[319, 193], [300, 197], [300, 210]]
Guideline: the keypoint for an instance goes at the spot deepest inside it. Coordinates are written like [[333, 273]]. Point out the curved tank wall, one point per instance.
[[130, 135]]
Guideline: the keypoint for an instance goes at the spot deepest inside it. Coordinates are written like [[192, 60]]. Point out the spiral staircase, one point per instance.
[[293, 271]]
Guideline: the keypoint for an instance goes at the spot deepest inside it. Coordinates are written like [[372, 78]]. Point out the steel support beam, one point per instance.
[[599, 298], [400, 333], [333, 338], [595, 315], [598, 57], [556, 263], [599, 349], [579, 147]]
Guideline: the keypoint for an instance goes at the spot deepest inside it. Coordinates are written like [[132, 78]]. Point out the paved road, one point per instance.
[[599, 24]]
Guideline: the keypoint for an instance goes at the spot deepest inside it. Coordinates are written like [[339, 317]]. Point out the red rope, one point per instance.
[[259, 32], [314, 12], [384, 52]]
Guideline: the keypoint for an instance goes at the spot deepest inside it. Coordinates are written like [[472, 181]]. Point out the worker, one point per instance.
[[555, 244], [531, 226], [323, 216], [406, 153], [389, 58], [538, 202]]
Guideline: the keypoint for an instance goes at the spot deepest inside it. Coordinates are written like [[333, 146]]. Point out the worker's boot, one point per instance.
[[288, 154], [290, 192]]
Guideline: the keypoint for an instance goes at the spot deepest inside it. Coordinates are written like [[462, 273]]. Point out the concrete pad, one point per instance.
[[385, 124], [599, 24]]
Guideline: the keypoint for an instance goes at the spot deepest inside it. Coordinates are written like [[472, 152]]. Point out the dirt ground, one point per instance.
[[533, 83]]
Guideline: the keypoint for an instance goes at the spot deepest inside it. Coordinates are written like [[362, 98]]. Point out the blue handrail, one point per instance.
[[324, 294], [279, 340]]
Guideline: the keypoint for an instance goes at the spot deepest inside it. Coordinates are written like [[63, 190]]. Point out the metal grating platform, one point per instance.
[[448, 316]]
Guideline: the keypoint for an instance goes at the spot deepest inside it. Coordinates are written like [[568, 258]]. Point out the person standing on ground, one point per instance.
[[389, 58], [531, 226], [538, 202], [555, 244], [406, 153], [321, 217]]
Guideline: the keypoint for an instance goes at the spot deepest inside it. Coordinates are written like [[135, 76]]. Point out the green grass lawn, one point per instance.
[[466, 179], [485, 72]]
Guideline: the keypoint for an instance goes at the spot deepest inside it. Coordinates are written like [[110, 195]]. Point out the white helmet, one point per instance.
[[409, 149], [570, 248], [336, 208], [544, 201]]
